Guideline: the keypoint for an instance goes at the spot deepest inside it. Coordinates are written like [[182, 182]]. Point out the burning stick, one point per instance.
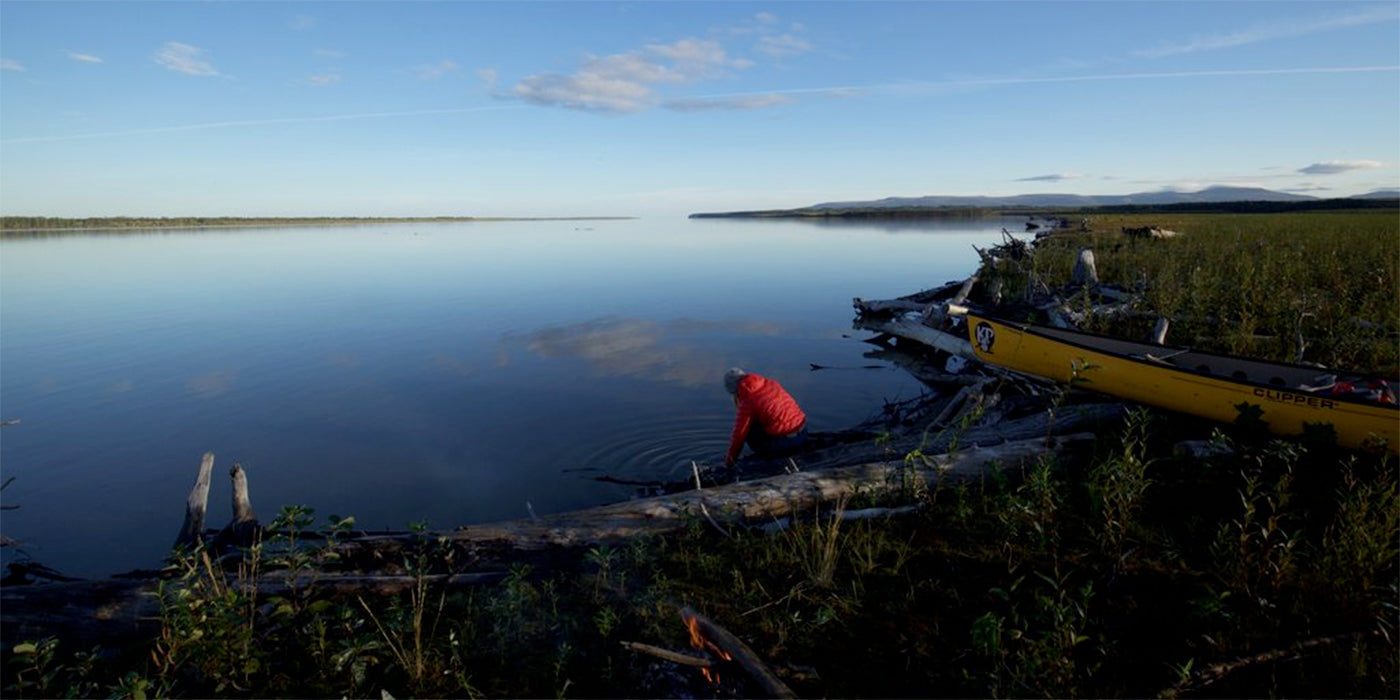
[[705, 634]]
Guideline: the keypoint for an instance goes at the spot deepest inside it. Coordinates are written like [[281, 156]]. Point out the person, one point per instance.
[[765, 416]]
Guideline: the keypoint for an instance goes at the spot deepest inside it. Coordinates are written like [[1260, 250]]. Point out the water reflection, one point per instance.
[[643, 348]]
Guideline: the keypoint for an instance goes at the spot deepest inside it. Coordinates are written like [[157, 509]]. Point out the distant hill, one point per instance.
[[1208, 196], [1379, 194]]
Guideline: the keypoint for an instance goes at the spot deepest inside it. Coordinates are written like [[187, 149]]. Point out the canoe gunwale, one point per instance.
[[1157, 362]]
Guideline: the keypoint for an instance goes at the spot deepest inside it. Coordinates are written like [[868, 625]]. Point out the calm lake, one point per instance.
[[445, 374]]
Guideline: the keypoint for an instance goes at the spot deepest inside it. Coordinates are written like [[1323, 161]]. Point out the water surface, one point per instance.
[[446, 373]]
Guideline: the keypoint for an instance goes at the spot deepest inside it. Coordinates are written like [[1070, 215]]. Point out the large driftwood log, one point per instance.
[[744, 503]]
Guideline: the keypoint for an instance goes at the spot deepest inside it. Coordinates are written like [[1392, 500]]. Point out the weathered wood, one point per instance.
[[1084, 271], [1159, 332], [886, 306], [83, 614], [192, 532], [740, 504], [242, 502], [243, 528], [704, 633], [668, 655], [919, 333]]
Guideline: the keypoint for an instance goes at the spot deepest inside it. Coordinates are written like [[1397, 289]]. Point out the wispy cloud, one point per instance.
[[1054, 177], [324, 79], [917, 87], [183, 58], [84, 57], [437, 70], [1281, 29], [1333, 167], [11, 65], [783, 45], [622, 83], [738, 102]]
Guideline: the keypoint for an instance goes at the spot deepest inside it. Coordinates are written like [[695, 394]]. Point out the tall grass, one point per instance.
[[1254, 284]]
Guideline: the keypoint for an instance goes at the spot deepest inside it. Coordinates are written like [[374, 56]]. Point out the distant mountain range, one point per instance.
[[1209, 195]]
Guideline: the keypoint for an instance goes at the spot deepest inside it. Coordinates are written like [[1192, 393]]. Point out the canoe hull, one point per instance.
[[1180, 380]]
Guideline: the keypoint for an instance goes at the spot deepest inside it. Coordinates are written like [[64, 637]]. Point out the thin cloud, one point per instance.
[[917, 87], [740, 102], [437, 70], [183, 58], [84, 57], [1270, 31], [324, 79], [11, 65], [622, 83], [783, 45], [1054, 177], [1333, 167]]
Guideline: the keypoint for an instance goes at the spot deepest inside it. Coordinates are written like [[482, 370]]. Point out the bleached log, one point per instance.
[[1159, 332], [1084, 271], [196, 505], [749, 502], [243, 527], [919, 333]]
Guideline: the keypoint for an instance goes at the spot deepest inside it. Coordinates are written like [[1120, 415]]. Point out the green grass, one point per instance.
[[1250, 284]]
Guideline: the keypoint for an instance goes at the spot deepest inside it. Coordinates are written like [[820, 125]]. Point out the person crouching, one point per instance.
[[765, 416]]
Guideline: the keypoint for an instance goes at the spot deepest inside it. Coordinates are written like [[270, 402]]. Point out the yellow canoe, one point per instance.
[[1209, 385]]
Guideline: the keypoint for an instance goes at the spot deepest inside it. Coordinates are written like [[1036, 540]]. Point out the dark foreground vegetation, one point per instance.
[[1269, 569]]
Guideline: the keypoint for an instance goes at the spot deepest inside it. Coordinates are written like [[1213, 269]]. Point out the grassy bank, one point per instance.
[[1268, 570]]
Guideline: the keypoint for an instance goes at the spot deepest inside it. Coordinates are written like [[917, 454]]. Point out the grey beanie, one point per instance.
[[731, 379]]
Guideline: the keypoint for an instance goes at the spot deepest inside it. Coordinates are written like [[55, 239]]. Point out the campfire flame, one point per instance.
[[698, 640]]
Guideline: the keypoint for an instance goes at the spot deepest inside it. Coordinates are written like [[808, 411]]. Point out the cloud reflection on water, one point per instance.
[[634, 347]]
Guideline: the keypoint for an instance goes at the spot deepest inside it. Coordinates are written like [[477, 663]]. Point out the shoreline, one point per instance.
[[99, 224]]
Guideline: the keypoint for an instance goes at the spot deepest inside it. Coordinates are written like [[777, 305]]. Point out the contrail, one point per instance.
[[973, 82], [257, 122]]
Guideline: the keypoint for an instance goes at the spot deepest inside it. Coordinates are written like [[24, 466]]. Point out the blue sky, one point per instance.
[[668, 108]]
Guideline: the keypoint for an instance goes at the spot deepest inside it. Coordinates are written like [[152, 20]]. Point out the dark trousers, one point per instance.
[[766, 446]]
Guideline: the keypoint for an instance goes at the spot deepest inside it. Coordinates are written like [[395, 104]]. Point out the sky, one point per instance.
[[666, 108]]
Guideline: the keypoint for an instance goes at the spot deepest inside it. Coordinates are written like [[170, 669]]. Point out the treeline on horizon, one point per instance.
[[35, 223], [1253, 207]]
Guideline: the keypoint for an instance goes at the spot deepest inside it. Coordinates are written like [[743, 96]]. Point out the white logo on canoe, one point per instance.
[[986, 336]]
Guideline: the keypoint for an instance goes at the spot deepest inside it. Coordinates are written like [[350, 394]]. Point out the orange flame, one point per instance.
[[698, 640]]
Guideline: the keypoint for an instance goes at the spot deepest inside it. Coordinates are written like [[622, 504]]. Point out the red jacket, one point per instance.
[[763, 401]]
